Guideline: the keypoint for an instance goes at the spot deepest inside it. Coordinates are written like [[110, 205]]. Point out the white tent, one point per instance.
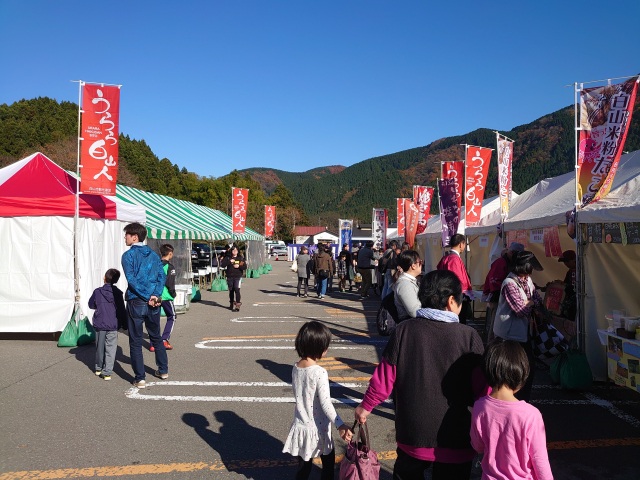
[[37, 204]]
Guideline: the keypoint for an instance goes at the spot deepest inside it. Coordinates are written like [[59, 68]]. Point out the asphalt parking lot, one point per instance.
[[226, 408]]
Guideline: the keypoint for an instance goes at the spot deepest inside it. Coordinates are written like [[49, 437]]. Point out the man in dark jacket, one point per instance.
[[323, 269], [366, 267], [146, 278]]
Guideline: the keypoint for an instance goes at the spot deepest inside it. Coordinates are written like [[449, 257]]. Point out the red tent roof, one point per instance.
[[35, 186]]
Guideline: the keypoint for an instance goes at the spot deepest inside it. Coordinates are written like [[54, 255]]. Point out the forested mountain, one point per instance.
[[543, 148]]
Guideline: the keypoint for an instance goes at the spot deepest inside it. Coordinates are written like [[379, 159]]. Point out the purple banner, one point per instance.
[[449, 212]]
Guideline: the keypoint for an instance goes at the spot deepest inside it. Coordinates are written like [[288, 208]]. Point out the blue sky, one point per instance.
[[217, 85]]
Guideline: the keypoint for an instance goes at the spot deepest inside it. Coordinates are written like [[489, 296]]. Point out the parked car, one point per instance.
[[279, 251], [202, 257]]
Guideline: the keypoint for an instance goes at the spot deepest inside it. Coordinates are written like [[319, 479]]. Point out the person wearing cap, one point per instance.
[[493, 282], [518, 301], [568, 309], [452, 261]]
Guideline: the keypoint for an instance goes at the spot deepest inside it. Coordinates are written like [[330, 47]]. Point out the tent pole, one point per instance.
[[76, 219]]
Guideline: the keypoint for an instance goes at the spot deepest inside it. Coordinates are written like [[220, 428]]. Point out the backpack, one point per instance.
[[384, 261], [387, 317]]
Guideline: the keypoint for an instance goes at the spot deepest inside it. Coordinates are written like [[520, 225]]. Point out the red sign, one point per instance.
[[455, 170], [605, 116], [422, 197], [477, 168], [400, 215], [269, 220], [239, 209], [411, 221], [99, 135]]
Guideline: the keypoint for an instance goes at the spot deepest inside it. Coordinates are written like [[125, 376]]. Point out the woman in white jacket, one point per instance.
[[405, 288]]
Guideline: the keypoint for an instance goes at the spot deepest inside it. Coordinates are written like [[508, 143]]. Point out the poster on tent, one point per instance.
[[477, 168], [410, 221], [422, 197], [239, 209], [605, 115], [99, 139], [379, 228], [505, 166], [269, 220], [345, 227], [400, 216], [454, 170], [552, 247], [449, 213]]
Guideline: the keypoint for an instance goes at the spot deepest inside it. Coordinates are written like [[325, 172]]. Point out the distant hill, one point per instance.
[[543, 148]]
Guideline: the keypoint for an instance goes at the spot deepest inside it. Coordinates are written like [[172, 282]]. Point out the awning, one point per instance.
[[171, 219]]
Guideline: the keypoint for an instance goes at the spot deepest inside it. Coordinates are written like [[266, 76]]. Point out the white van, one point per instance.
[[273, 243]]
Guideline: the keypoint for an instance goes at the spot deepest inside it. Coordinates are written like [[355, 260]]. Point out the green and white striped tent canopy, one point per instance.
[[172, 219]]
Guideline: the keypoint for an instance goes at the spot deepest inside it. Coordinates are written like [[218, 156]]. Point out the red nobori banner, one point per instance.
[[410, 221], [400, 215], [269, 220], [477, 167], [454, 170], [422, 197], [605, 116], [505, 167], [99, 135], [239, 209]]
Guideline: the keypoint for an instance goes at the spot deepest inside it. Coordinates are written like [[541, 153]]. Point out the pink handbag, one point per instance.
[[360, 460]]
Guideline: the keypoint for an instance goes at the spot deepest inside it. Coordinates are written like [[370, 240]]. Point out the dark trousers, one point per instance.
[[525, 392], [328, 467], [467, 311], [170, 312], [303, 281], [234, 289], [141, 314], [409, 468]]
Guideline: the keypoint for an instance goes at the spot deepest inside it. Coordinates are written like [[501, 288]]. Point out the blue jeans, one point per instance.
[[322, 286], [140, 313]]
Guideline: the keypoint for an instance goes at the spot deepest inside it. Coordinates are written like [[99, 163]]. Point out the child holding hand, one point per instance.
[[509, 432], [310, 433]]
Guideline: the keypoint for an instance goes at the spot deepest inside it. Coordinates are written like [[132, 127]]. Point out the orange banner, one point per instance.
[[505, 167], [410, 221], [400, 215], [99, 135], [605, 116], [239, 214], [477, 168], [422, 197], [454, 170], [269, 220]]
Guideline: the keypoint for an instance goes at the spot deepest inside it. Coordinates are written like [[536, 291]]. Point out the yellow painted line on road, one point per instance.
[[232, 465]]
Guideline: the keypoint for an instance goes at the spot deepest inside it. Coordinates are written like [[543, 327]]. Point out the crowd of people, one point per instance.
[[453, 396]]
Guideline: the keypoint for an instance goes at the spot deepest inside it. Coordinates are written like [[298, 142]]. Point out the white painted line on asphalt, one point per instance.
[[364, 341], [607, 405], [297, 319]]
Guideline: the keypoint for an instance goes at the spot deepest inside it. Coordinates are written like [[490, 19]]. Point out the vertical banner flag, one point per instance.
[[99, 135], [605, 115], [422, 198], [239, 209], [379, 228], [455, 170], [449, 215], [477, 167], [269, 220], [346, 230], [410, 221], [400, 216], [505, 166]]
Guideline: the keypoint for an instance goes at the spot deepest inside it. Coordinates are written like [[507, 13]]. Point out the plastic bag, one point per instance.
[[86, 332], [571, 370], [69, 336]]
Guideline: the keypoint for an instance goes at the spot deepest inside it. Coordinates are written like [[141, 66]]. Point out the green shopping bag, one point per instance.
[[195, 294], [69, 336], [86, 332], [571, 370], [255, 274], [215, 285]]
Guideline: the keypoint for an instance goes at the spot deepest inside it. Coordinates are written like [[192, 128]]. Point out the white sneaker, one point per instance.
[[140, 384]]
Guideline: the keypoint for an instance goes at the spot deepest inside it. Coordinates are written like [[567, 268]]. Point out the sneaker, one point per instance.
[[140, 383], [161, 376], [152, 348], [105, 377], [167, 345], [98, 373]]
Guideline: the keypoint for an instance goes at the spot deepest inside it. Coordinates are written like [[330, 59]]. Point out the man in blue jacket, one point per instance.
[[145, 275]]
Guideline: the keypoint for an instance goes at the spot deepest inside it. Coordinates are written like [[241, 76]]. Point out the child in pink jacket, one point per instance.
[[509, 432]]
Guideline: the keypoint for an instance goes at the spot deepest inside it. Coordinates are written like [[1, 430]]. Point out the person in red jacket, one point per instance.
[[452, 261]]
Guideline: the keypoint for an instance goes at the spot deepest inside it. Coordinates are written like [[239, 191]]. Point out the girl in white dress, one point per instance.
[[310, 434]]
